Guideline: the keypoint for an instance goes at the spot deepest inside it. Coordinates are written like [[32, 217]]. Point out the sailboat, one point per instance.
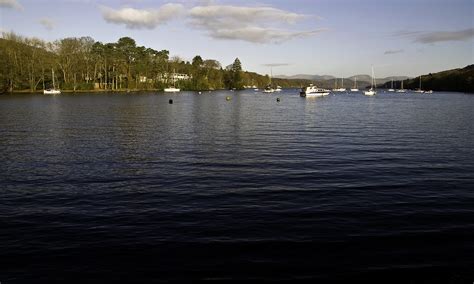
[[172, 89], [371, 91], [52, 91], [341, 89], [419, 90], [401, 90], [269, 88], [355, 86], [391, 89]]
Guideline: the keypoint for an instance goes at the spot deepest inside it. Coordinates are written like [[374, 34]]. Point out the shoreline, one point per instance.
[[40, 92], [125, 91]]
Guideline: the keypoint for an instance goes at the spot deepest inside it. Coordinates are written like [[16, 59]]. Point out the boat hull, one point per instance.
[[172, 90], [313, 91], [51, 92], [315, 94]]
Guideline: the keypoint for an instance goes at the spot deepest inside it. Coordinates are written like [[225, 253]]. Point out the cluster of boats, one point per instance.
[[314, 91], [308, 91]]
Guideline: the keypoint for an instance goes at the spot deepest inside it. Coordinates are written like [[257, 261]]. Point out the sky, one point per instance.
[[285, 37]]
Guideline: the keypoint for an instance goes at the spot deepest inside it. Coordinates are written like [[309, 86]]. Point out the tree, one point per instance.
[[197, 61], [82, 63], [127, 52], [236, 75]]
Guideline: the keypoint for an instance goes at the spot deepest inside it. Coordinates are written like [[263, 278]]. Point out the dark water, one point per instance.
[[128, 188]]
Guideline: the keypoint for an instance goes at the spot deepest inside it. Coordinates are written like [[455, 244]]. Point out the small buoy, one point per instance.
[[278, 99], [199, 92], [170, 101], [227, 98]]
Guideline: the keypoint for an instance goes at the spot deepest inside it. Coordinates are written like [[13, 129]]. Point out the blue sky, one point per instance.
[[335, 37]]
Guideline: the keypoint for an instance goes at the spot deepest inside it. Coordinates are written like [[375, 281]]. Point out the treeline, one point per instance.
[[85, 64], [455, 80]]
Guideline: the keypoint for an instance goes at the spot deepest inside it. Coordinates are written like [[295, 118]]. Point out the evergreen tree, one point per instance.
[[236, 76]]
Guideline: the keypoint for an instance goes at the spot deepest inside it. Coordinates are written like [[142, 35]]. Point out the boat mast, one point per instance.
[[420, 82], [52, 74], [271, 75], [373, 79]]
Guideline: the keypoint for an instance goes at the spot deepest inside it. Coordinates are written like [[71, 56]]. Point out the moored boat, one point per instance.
[[401, 90], [268, 89], [171, 90], [313, 91], [52, 91], [391, 89], [371, 91], [355, 89]]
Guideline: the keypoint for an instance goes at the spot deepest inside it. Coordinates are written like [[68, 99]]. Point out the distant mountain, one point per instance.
[[455, 80], [367, 78], [328, 81], [306, 77]]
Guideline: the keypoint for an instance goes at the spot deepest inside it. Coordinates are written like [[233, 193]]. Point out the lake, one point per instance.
[[127, 187]]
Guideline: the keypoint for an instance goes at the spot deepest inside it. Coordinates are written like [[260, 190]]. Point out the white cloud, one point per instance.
[[142, 18], [252, 24], [257, 34], [243, 14], [276, 64], [13, 4], [388, 52], [47, 23], [437, 36], [440, 36]]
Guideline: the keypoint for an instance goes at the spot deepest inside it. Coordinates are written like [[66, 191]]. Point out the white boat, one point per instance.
[[401, 90], [52, 91], [391, 89], [355, 89], [372, 90], [419, 90], [342, 89], [313, 91], [268, 89], [429, 92], [172, 90], [278, 89]]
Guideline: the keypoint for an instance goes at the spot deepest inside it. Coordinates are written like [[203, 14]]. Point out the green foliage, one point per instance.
[[456, 80], [84, 64], [234, 76]]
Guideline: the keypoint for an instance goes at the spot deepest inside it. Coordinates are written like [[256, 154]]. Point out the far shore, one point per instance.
[[101, 91], [97, 91]]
